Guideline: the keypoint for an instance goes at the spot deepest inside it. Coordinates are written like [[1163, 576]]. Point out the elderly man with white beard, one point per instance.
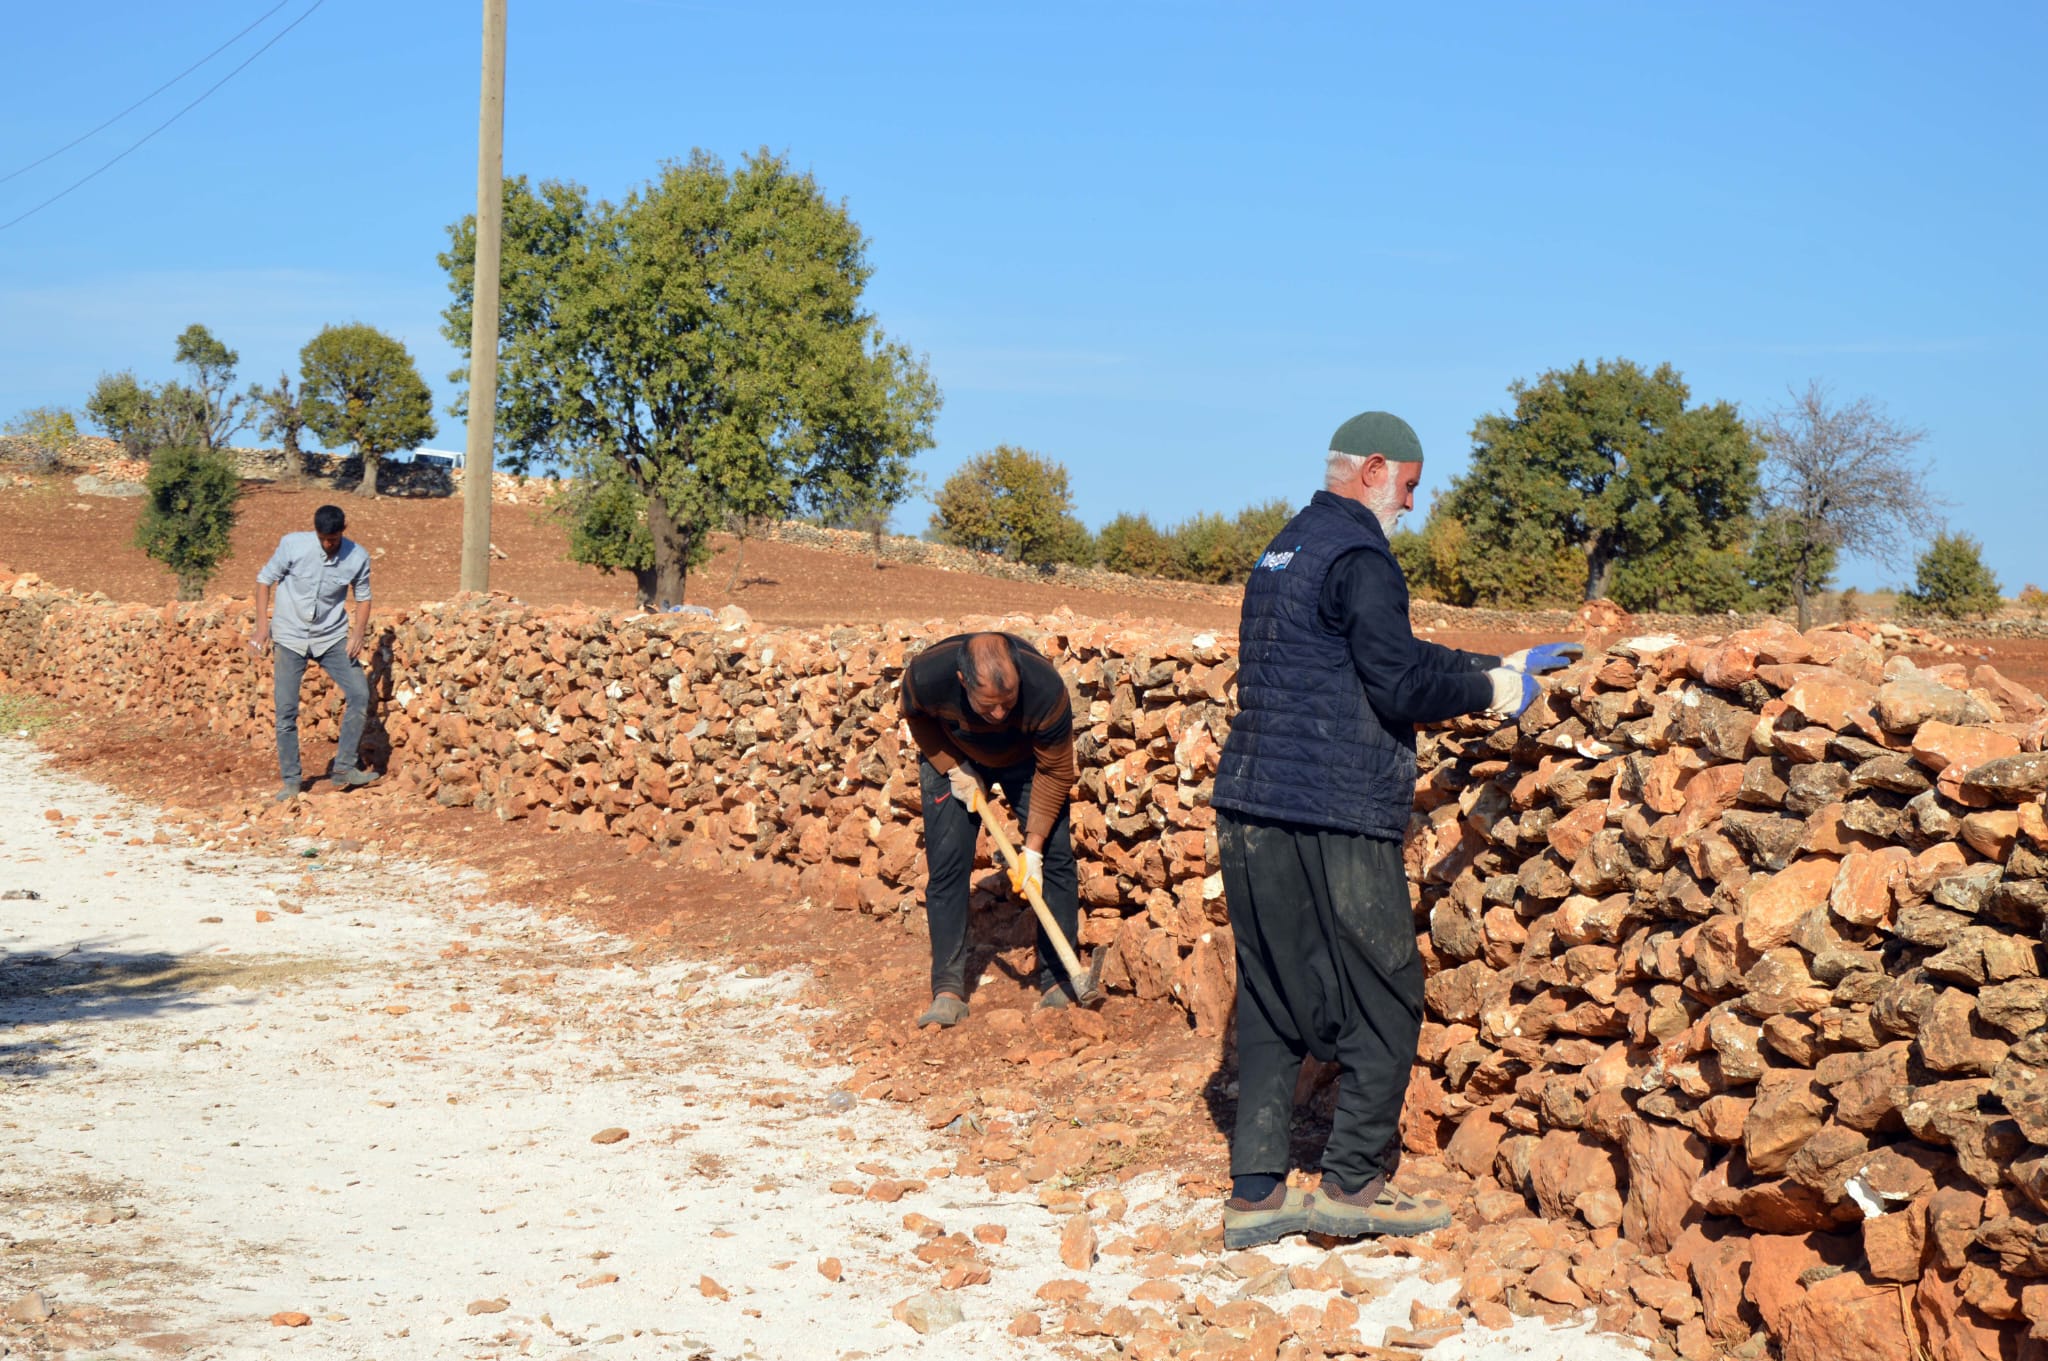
[[1313, 796]]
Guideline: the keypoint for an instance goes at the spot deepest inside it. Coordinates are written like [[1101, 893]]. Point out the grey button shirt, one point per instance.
[[310, 613]]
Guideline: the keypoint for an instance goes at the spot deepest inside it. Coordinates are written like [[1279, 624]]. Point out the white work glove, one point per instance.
[[967, 787], [1512, 692], [1028, 875]]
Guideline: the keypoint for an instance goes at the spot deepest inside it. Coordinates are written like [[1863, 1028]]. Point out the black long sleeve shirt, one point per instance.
[[1406, 679]]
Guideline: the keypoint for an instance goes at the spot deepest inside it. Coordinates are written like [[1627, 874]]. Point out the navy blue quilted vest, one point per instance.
[[1306, 746]]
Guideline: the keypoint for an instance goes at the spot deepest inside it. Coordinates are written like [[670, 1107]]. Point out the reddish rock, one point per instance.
[[1938, 746], [1951, 1332], [1663, 1163], [1895, 1244], [1472, 1148], [1773, 904], [1839, 702], [1846, 1318], [1718, 1274], [1077, 1243], [1862, 892], [1564, 1166], [1776, 1264]]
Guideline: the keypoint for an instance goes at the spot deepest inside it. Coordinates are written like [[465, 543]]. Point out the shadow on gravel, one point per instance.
[[46, 999]]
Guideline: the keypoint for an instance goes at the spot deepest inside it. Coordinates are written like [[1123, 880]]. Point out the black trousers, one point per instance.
[[1326, 965], [949, 837]]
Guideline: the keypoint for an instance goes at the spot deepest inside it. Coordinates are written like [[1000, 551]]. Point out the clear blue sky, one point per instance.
[[1171, 245]]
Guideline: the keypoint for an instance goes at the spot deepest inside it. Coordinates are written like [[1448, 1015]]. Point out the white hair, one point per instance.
[[1340, 469]]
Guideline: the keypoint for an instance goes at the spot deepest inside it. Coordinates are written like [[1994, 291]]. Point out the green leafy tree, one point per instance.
[[606, 516], [359, 387], [280, 417], [1010, 502], [212, 366], [1786, 565], [1607, 463], [1256, 525], [43, 433], [1133, 545], [1208, 548], [145, 419], [1952, 581], [706, 335], [188, 522], [1840, 478]]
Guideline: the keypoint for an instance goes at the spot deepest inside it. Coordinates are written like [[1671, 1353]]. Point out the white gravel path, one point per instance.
[[378, 1109]]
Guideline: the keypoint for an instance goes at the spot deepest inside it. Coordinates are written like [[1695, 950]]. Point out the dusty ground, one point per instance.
[[86, 543], [302, 1080]]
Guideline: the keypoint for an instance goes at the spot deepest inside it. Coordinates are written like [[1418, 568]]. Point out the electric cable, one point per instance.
[[79, 184], [146, 98]]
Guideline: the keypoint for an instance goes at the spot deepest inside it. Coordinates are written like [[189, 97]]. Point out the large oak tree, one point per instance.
[[703, 340]]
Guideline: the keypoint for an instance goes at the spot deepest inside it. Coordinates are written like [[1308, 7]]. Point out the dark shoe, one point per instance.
[[1376, 1209], [287, 793], [1055, 998], [354, 778], [945, 1012], [1249, 1224]]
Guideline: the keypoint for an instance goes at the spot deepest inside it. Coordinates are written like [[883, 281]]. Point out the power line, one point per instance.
[[146, 98], [167, 122]]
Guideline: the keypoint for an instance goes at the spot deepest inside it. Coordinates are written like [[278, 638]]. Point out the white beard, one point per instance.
[[1386, 507]]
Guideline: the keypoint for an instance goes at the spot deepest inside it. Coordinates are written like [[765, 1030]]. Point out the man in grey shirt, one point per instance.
[[320, 585]]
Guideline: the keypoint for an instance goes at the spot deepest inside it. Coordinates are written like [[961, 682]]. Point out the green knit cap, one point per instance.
[[1377, 432]]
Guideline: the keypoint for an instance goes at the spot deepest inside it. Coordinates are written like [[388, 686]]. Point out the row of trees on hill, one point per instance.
[[1604, 482], [358, 388], [1601, 481]]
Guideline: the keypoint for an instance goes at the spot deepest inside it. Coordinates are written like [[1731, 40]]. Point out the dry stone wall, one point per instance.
[[1734, 946]]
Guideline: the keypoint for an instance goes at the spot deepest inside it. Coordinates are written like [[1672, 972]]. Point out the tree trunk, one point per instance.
[[1599, 567], [1800, 601], [671, 553], [368, 486], [294, 458], [643, 587], [191, 587]]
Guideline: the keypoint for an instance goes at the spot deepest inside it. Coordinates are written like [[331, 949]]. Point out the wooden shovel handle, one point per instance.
[[1031, 895]]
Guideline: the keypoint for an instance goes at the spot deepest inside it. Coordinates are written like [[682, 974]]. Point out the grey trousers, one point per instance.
[[290, 673], [1326, 965]]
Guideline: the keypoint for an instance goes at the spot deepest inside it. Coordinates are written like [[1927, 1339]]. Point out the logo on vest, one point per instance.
[[1276, 561]]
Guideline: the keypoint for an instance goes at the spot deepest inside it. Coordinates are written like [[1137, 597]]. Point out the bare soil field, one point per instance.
[[86, 543]]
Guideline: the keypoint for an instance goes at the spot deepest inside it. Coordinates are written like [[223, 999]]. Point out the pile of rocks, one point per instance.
[[1735, 957], [1734, 946]]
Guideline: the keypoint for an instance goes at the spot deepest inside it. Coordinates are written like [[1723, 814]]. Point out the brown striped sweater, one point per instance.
[[1039, 727]]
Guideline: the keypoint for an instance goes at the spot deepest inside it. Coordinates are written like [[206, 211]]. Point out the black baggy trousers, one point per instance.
[[949, 837], [1326, 965]]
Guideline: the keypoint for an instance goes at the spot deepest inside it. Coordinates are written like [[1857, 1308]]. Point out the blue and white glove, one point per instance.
[[1534, 661], [1513, 691]]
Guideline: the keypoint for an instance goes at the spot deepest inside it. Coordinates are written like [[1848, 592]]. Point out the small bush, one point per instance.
[[2034, 600], [43, 433], [188, 522], [1952, 581], [1133, 545]]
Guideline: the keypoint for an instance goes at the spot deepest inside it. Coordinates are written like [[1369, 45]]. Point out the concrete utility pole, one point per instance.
[[483, 321]]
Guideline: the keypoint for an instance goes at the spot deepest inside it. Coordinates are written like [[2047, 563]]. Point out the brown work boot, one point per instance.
[[1251, 1223], [1375, 1209]]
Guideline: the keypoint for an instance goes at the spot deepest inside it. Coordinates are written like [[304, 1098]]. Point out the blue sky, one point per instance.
[[1170, 245]]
